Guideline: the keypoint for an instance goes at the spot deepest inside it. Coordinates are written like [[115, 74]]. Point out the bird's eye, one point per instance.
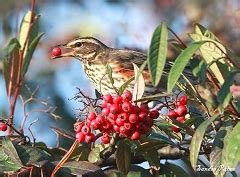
[[78, 44]]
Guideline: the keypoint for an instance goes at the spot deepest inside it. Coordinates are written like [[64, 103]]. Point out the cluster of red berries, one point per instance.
[[118, 115], [179, 112], [3, 127]]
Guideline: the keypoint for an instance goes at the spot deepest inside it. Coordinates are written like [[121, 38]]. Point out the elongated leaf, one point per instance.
[[152, 158], [6, 164], [139, 85], [29, 53], [109, 72], [24, 28], [216, 156], [10, 151], [197, 140], [124, 86], [158, 53], [94, 155], [11, 65], [162, 138], [82, 168], [180, 63], [153, 97], [123, 157], [231, 151]]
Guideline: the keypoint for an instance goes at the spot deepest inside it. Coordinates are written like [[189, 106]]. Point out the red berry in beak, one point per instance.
[[56, 51]]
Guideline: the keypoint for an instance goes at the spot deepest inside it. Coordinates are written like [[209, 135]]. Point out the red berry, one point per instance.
[[105, 111], [90, 137], [175, 129], [85, 129], [116, 128], [123, 131], [135, 136], [181, 119], [105, 138], [104, 104], [117, 99], [56, 51], [88, 122], [127, 126], [181, 110], [94, 124], [144, 108], [77, 127], [92, 116], [154, 114], [136, 109], [182, 100], [119, 121], [142, 116], [108, 98], [133, 118], [127, 96], [172, 114], [112, 116], [100, 119], [106, 126], [115, 108], [127, 107], [80, 137], [123, 116]]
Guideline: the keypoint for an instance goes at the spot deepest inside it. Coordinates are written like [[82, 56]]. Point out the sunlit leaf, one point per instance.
[[210, 51], [231, 150], [197, 140], [6, 164], [158, 53], [94, 155], [25, 26], [11, 65], [180, 63], [123, 157], [153, 97], [139, 85], [29, 53], [10, 151]]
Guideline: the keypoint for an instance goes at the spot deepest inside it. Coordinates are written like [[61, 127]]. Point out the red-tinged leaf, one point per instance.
[[11, 65], [139, 85]]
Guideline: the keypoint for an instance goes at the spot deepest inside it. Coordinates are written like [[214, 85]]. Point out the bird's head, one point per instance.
[[84, 49]]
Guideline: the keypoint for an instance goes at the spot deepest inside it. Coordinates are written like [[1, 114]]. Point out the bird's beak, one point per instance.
[[66, 51]]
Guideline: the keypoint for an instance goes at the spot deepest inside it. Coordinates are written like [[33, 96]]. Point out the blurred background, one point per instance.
[[117, 23]]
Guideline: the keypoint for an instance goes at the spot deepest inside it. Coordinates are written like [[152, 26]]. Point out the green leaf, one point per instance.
[[124, 86], [82, 168], [11, 65], [171, 169], [32, 155], [180, 63], [158, 53], [216, 156], [29, 53], [6, 164], [197, 140], [123, 157], [224, 95], [24, 28], [162, 138], [231, 151], [94, 155], [109, 72], [153, 97], [10, 151]]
